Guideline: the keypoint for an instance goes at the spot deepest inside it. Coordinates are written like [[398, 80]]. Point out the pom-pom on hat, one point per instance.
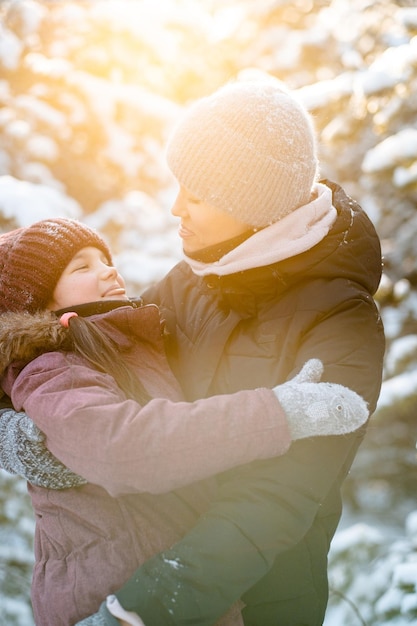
[[248, 149], [32, 260]]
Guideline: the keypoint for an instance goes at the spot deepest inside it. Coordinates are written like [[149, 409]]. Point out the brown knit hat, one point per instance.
[[248, 150], [32, 260]]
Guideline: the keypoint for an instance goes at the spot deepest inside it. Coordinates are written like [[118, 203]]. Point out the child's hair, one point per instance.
[[103, 353]]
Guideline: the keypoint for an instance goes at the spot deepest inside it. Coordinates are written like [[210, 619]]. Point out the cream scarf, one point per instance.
[[295, 233]]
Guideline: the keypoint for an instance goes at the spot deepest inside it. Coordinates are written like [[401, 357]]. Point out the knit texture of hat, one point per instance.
[[32, 260], [248, 150]]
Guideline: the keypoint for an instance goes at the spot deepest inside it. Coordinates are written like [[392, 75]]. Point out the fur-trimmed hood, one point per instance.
[[24, 336]]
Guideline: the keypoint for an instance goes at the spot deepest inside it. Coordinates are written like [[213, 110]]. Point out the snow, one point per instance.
[[17, 196], [402, 352], [88, 95], [408, 16], [391, 151], [37, 111], [174, 563], [41, 65], [10, 49], [325, 92], [411, 527], [397, 389], [393, 66]]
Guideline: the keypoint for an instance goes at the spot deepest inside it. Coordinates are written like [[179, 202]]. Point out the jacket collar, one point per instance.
[[99, 307], [351, 250]]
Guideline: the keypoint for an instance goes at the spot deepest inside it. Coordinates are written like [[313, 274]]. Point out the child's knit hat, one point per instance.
[[32, 260], [248, 150]]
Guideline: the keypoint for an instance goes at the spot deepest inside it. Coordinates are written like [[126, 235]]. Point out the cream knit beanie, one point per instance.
[[248, 150]]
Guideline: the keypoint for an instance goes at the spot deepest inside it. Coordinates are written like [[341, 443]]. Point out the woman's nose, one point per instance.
[[179, 208]]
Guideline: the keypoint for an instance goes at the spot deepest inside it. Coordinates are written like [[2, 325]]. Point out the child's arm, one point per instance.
[[24, 452]]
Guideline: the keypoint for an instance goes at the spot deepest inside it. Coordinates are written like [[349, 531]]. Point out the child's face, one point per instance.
[[88, 277]]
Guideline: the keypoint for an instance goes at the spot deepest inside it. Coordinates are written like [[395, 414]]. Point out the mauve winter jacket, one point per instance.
[[88, 539]]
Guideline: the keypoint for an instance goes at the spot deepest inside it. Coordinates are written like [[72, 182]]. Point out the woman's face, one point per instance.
[[202, 225], [88, 277]]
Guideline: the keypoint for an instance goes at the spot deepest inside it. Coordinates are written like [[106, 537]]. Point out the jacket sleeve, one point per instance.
[[264, 509], [124, 447]]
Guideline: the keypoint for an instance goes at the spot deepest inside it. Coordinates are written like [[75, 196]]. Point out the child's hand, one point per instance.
[[23, 452]]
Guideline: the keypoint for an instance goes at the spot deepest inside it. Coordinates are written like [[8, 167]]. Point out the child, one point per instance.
[[88, 365]]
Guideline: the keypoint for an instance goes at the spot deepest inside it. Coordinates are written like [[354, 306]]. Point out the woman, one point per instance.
[[278, 268]]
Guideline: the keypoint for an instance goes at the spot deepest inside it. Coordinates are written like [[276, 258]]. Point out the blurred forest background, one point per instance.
[[89, 92]]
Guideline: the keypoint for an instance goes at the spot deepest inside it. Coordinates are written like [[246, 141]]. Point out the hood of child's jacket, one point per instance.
[[24, 336], [351, 250]]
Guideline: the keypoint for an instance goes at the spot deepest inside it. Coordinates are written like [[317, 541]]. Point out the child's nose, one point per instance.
[[108, 270]]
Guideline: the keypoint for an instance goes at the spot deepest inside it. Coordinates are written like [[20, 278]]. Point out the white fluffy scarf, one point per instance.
[[295, 233]]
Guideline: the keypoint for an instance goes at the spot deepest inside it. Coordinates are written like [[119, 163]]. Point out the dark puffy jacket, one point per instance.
[[267, 534]]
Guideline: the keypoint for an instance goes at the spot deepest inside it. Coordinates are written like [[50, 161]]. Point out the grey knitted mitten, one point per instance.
[[314, 408], [23, 452]]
